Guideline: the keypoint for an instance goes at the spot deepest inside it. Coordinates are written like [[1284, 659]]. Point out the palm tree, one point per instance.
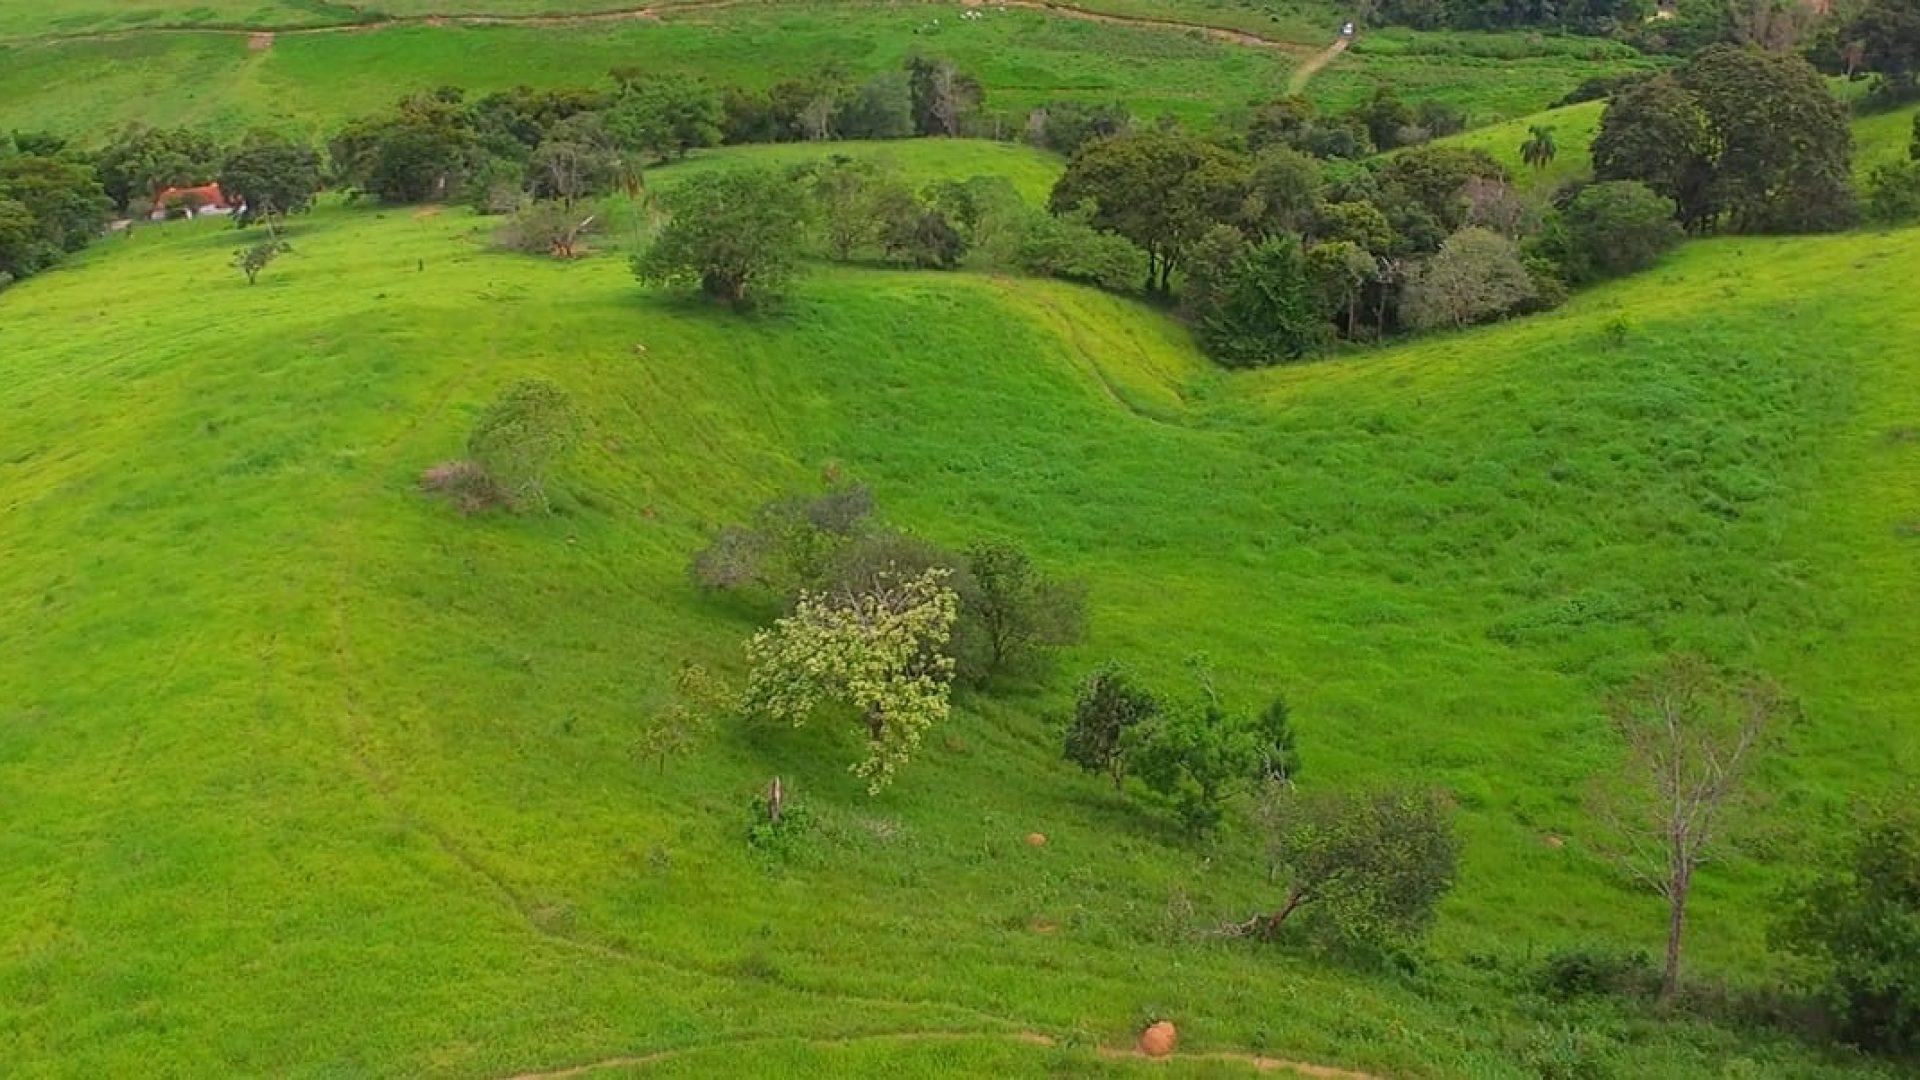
[[1539, 149]]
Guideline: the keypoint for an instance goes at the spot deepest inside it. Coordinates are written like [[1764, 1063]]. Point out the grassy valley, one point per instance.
[[308, 773], [401, 740]]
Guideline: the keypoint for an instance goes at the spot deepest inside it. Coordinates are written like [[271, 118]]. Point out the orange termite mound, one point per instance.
[[1159, 1039]]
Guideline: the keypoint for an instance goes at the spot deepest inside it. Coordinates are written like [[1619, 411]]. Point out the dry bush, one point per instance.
[[464, 483]]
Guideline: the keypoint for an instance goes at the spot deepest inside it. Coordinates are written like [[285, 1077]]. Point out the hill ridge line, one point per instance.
[[649, 12]]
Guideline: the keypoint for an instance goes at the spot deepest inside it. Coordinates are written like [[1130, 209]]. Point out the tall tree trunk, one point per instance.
[[1676, 927]]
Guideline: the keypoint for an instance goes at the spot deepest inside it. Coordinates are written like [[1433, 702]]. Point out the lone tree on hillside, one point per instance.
[[1021, 611], [254, 258], [881, 651], [1539, 149], [737, 235], [1109, 711], [522, 435], [1692, 739], [1359, 868], [1199, 755], [697, 697]]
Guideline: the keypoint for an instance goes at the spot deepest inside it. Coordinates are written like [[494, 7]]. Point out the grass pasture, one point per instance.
[[1879, 138], [1574, 128], [228, 81], [314, 82], [307, 775], [917, 162], [1492, 77]]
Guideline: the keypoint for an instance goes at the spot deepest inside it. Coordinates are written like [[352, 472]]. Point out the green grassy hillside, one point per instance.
[[1490, 76], [1574, 127], [315, 81], [307, 775], [308, 78], [1031, 171], [1882, 137]]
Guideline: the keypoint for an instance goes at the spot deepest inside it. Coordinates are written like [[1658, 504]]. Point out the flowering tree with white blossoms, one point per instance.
[[881, 651]]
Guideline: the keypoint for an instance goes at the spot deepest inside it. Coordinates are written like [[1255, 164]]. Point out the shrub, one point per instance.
[[1475, 276], [464, 483], [790, 546], [1610, 228], [779, 826], [1072, 250], [914, 233], [1585, 972], [497, 187], [1360, 869], [1107, 717], [697, 698], [1859, 923], [1893, 193], [548, 228], [1198, 756], [1020, 613], [873, 556], [737, 236], [1263, 308], [254, 258], [522, 436]]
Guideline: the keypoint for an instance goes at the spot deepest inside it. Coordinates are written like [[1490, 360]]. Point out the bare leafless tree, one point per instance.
[[1692, 738]]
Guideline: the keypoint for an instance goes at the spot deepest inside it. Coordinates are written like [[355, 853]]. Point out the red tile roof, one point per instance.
[[204, 196]]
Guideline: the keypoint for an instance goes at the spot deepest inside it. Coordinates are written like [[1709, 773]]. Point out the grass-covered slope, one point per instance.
[[228, 67], [315, 81], [306, 775], [1574, 128], [916, 162]]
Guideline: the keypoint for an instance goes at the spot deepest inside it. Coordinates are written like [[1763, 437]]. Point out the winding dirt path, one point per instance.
[[1304, 74], [1258, 1062], [650, 13]]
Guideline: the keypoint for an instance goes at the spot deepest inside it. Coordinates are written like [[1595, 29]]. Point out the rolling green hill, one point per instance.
[[1574, 127], [308, 775], [82, 67]]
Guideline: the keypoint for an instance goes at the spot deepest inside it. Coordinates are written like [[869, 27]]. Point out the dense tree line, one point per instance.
[[51, 203], [516, 146], [1739, 136], [56, 198], [1275, 245], [1274, 254], [1576, 16]]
